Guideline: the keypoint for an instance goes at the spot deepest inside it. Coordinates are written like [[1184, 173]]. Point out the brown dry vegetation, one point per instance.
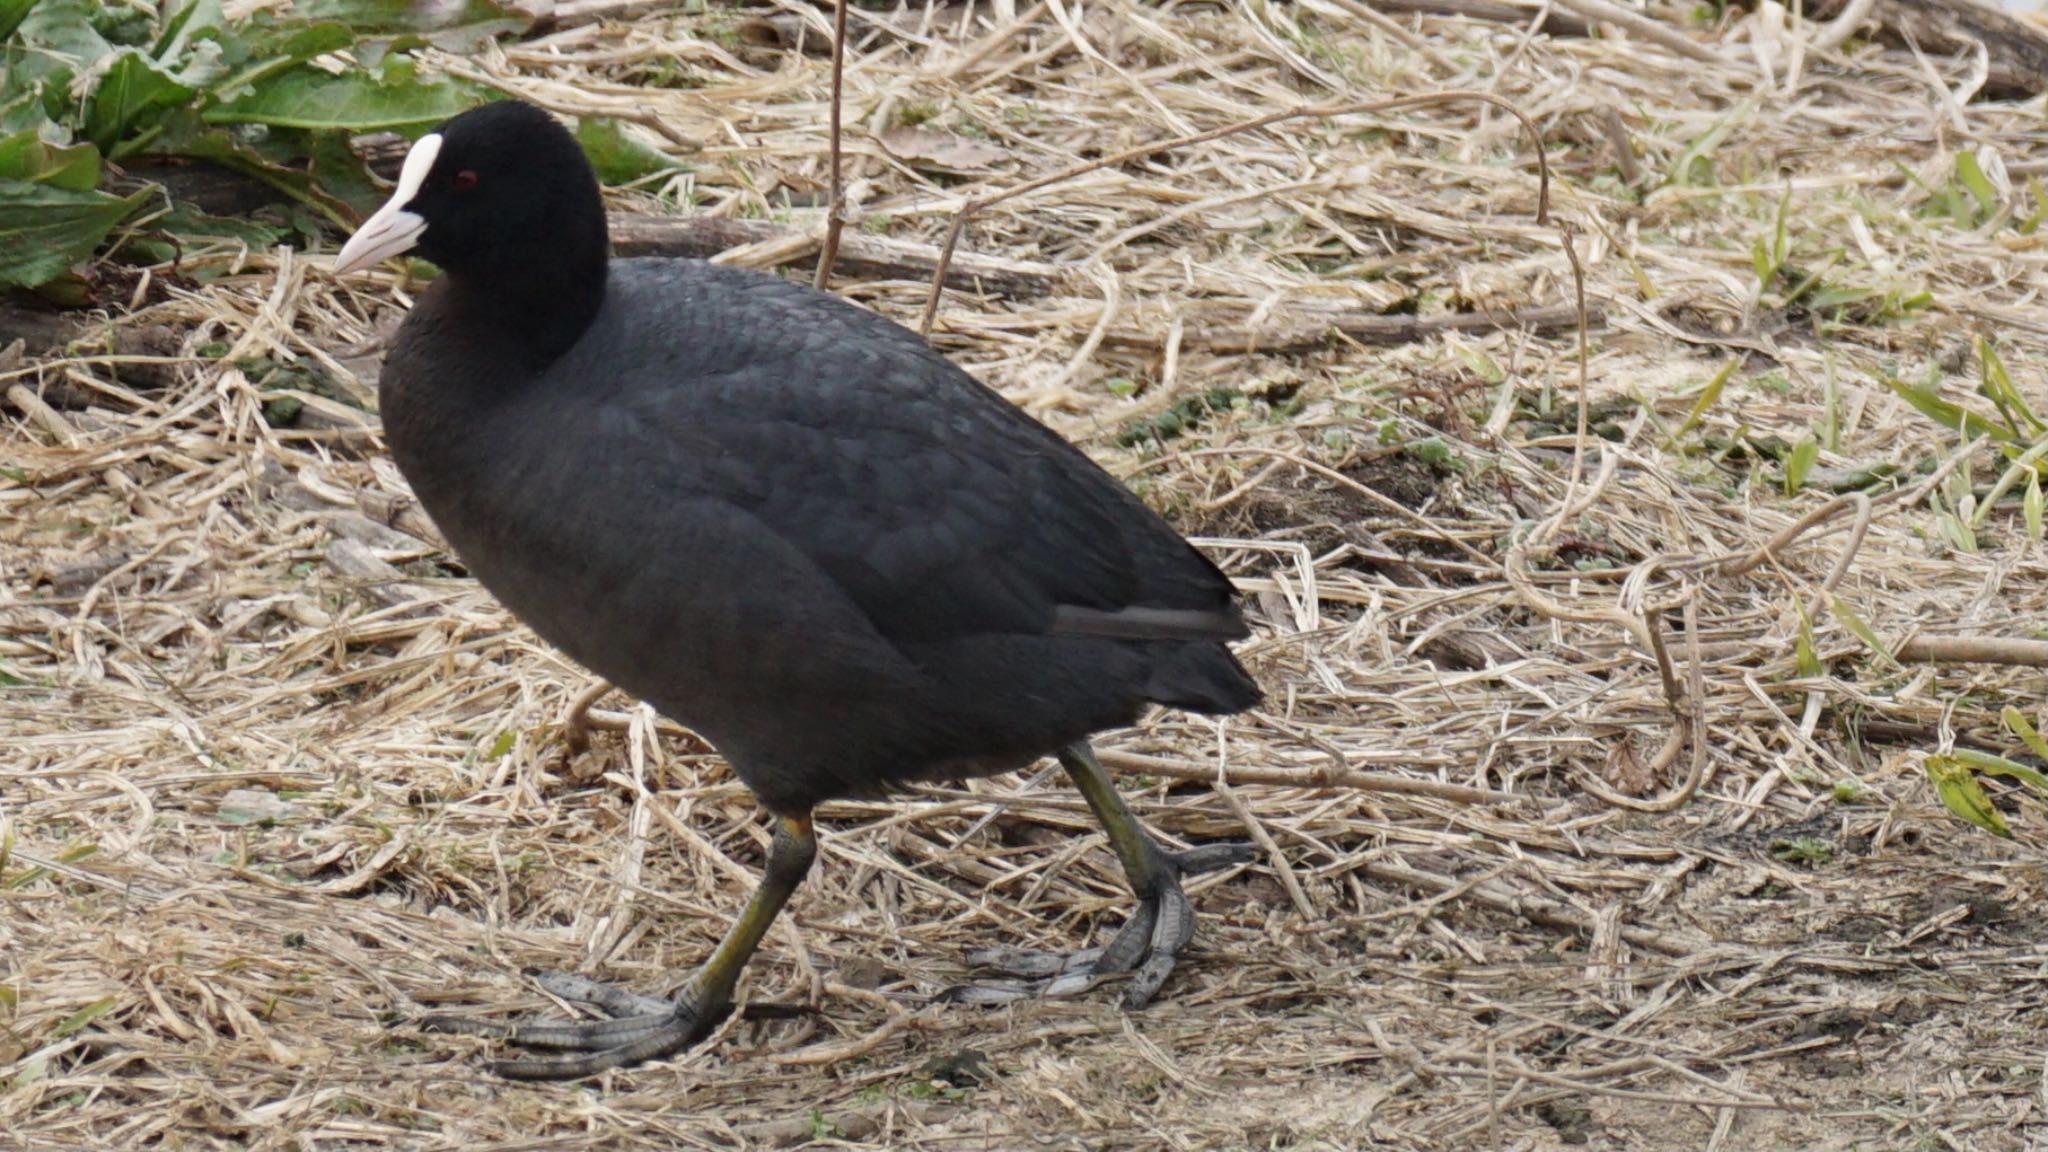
[[265, 794]]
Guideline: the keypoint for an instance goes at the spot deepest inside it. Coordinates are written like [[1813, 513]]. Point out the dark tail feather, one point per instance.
[[1203, 678]]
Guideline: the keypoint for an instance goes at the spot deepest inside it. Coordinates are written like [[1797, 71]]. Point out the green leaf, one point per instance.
[[129, 97], [1803, 456], [27, 157], [1860, 630], [12, 13], [1803, 655], [253, 159], [374, 16], [1708, 395], [2031, 507], [1997, 384], [63, 29], [44, 230], [2025, 464], [78, 1020], [1961, 794], [276, 53], [192, 226], [185, 24], [1971, 176], [396, 98], [616, 154], [1992, 765], [2016, 723], [2027, 226], [1946, 413]]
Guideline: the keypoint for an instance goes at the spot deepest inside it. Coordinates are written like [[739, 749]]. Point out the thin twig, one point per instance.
[[835, 208]]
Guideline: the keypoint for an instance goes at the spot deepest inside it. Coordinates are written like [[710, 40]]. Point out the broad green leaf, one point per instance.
[[1801, 462], [132, 93], [2031, 507], [27, 157], [54, 44], [63, 28], [199, 228], [45, 230], [2016, 723], [78, 1020], [12, 13], [454, 25], [188, 20], [253, 159], [339, 171], [1961, 794], [396, 98], [290, 47], [618, 156]]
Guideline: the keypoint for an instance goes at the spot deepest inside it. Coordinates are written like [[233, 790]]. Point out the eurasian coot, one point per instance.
[[786, 522]]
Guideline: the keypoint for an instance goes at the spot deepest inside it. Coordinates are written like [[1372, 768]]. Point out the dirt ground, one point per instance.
[[1590, 794]]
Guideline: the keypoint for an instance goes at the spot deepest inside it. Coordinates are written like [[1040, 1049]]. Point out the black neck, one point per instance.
[[537, 313]]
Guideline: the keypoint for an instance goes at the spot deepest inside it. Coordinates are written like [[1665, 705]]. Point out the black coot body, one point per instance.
[[786, 522]]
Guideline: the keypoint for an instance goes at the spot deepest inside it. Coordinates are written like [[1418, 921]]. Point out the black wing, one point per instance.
[[936, 505]]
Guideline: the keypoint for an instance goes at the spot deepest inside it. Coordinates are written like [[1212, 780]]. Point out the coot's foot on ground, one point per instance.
[[641, 1028], [644, 1027], [1148, 944]]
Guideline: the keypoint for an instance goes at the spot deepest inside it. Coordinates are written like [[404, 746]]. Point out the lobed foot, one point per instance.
[[640, 1028], [1146, 947]]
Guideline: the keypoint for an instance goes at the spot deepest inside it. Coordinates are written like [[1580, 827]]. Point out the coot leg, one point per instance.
[[1149, 942], [638, 1033]]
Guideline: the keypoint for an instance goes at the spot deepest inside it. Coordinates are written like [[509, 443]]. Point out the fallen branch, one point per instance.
[[1975, 650], [862, 256], [2016, 51]]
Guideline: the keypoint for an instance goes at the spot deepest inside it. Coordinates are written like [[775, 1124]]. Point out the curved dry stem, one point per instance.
[[1319, 111], [1565, 506]]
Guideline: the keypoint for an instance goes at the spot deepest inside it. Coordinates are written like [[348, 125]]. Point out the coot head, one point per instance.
[[500, 193]]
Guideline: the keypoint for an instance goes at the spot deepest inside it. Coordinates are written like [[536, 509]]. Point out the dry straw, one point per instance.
[[1560, 844]]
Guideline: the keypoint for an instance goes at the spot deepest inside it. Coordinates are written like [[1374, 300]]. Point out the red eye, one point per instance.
[[464, 180]]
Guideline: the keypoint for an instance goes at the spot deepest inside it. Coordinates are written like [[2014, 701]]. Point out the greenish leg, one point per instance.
[[647, 1028], [1148, 944]]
